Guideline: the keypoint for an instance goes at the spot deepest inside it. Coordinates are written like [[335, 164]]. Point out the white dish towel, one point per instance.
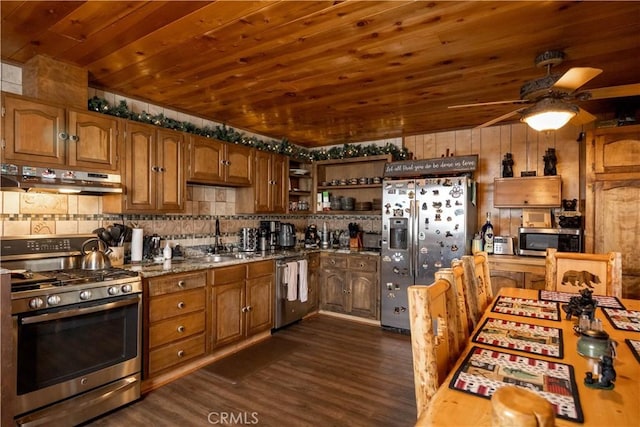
[[292, 281], [302, 281]]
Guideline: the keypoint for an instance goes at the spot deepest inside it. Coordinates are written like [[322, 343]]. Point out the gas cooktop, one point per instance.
[[49, 279]]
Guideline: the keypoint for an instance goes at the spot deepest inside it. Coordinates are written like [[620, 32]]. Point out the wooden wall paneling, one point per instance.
[[409, 142], [429, 146], [504, 218], [518, 137], [568, 150], [445, 141], [463, 140], [489, 169]]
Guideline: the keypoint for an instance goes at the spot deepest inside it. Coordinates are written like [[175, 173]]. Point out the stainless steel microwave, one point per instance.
[[535, 241]]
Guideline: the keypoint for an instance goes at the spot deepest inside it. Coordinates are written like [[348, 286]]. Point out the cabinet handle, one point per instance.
[[181, 284], [181, 305], [63, 135], [74, 138], [180, 353], [180, 329]]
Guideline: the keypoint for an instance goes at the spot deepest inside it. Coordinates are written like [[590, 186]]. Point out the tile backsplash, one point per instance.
[[42, 213]]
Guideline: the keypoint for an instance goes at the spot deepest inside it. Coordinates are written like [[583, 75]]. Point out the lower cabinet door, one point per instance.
[[228, 317], [259, 304], [363, 294]]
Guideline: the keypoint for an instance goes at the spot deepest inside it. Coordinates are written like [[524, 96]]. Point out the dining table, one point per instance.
[[525, 339]]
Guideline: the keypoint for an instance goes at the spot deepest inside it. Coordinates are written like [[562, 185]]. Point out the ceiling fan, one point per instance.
[[548, 100]]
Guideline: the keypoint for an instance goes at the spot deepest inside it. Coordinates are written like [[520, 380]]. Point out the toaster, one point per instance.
[[503, 245], [372, 240]]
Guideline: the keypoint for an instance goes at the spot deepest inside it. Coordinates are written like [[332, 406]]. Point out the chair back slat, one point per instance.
[[455, 275], [433, 320]]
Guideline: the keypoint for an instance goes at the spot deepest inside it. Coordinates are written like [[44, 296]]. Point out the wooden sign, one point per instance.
[[436, 166]]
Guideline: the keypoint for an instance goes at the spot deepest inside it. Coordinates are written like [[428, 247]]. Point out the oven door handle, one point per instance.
[[77, 311]]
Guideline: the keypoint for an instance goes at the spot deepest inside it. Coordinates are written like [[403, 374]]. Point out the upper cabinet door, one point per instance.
[[140, 155], [617, 150], [169, 170], [239, 165], [206, 160], [34, 132], [280, 190], [93, 141]]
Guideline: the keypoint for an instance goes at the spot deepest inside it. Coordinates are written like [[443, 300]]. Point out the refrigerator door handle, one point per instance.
[[412, 237]]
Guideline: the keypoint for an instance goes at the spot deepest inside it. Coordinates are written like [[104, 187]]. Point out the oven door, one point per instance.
[[66, 351]]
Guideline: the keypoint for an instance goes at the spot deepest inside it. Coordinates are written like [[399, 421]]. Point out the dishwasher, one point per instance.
[[289, 311]]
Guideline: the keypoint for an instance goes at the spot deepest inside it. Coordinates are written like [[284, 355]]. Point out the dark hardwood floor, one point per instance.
[[321, 371]]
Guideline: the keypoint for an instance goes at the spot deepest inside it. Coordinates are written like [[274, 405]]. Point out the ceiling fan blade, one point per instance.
[[576, 77], [582, 118], [501, 118], [480, 104], [615, 91]]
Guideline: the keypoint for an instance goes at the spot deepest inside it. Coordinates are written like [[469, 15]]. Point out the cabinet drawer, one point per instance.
[[176, 353], [225, 275], [176, 328], [314, 260], [176, 282], [333, 262], [261, 268], [362, 263], [166, 306]]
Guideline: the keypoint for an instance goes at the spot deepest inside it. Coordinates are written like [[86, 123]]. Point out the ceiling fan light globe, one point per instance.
[[549, 114]]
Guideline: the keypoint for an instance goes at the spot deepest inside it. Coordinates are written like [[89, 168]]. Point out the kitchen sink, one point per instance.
[[214, 258]]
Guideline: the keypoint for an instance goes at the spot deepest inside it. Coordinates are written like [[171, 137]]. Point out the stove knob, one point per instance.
[[53, 300], [113, 290], [126, 289], [36, 303], [85, 295]]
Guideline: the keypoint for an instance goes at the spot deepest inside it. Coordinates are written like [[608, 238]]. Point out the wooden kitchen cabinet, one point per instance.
[[328, 171], [512, 271], [153, 172], [241, 301], [175, 313], [268, 194], [527, 192], [215, 162], [350, 285], [43, 134], [313, 281], [612, 217]]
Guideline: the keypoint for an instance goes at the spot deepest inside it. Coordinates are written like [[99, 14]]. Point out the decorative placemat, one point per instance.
[[602, 300], [627, 320], [484, 371], [635, 348], [526, 337], [547, 310]]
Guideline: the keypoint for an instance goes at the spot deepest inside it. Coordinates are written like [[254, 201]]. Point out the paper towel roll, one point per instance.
[[136, 245]]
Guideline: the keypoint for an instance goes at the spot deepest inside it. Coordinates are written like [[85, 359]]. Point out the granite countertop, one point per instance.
[[149, 269]]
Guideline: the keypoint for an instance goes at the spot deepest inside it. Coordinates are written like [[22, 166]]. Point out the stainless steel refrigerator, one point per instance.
[[426, 223]]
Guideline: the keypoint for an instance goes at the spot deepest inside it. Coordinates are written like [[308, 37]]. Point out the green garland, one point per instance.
[[229, 134]]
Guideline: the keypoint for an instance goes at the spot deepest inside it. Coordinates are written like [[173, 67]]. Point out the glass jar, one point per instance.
[[595, 344]]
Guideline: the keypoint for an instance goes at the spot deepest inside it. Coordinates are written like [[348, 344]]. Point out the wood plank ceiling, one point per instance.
[[328, 72]]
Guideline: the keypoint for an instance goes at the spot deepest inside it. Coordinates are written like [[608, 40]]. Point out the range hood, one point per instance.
[[46, 180]]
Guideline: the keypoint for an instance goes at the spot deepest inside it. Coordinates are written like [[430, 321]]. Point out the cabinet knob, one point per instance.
[[362, 265], [63, 135], [181, 305], [181, 284], [249, 308], [244, 309], [154, 168], [333, 261], [180, 353], [181, 329], [74, 138], [161, 169]]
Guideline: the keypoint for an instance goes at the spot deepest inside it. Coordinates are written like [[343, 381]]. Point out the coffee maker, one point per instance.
[[272, 231], [311, 237]]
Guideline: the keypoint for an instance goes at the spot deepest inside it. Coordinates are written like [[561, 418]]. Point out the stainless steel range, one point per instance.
[[77, 332]]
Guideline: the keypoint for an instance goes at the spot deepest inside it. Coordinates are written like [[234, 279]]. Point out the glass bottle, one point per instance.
[[487, 235]]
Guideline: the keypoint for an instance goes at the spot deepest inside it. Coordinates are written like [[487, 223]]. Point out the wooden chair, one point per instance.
[[433, 320], [455, 275], [571, 272], [477, 282]]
